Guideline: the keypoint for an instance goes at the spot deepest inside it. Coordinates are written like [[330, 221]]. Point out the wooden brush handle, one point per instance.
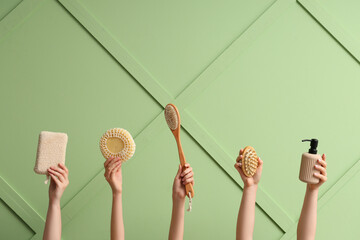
[[188, 187]]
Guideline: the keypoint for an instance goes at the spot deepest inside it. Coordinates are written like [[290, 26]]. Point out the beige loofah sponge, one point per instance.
[[117, 142], [51, 151]]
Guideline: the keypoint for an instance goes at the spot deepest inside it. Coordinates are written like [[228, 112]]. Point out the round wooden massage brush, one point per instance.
[[117, 142], [249, 162], [172, 118]]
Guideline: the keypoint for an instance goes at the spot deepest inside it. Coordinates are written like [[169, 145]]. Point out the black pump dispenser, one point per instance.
[[313, 145]]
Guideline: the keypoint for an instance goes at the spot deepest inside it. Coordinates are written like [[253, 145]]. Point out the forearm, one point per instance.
[[177, 220], [246, 216], [307, 223], [117, 224], [52, 229]]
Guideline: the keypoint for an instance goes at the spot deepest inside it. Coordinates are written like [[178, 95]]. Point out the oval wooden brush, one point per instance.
[[249, 161], [172, 117]]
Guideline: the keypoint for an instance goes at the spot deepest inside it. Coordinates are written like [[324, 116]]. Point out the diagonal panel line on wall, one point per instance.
[[38, 236], [331, 192], [189, 94], [239, 45], [84, 196], [332, 27], [226, 162], [123, 57], [20, 207], [17, 16]]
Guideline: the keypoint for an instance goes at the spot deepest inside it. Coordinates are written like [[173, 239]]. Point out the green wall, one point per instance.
[[265, 73]]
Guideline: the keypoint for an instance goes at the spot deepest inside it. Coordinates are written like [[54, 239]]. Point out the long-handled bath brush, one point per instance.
[[172, 117], [249, 162], [117, 142], [51, 151]]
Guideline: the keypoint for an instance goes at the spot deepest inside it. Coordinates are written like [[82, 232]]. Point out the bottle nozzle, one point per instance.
[[313, 145]]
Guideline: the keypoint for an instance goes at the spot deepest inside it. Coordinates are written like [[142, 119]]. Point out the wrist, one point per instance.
[[54, 202], [250, 188], [116, 194], [312, 189], [178, 200]]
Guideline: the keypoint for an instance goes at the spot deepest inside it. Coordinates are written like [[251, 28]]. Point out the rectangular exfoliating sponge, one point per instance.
[[51, 151]]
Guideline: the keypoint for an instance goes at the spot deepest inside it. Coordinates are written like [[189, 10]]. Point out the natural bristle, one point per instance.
[[171, 117], [249, 161]]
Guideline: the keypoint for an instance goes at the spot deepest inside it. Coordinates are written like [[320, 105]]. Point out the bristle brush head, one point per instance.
[[171, 117], [249, 161]]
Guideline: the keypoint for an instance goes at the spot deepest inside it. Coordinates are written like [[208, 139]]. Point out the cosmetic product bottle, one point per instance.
[[308, 162]]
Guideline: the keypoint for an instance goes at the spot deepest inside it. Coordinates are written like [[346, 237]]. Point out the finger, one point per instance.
[[321, 177], [321, 169], [63, 167], [241, 151], [239, 169], [189, 180], [323, 157], [322, 162], [238, 165], [112, 167], [187, 165], [186, 171], [58, 169], [58, 174], [179, 171], [189, 175], [106, 163], [260, 164], [115, 170], [113, 164], [189, 172], [106, 172], [56, 180], [239, 158]]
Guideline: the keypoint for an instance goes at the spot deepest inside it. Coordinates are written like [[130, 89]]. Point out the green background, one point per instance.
[[265, 73]]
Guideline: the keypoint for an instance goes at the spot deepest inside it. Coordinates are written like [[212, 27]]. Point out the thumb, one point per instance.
[[179, 171]]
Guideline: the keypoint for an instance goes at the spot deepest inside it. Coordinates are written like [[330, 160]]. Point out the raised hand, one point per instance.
[[248, 181], [113, 174]]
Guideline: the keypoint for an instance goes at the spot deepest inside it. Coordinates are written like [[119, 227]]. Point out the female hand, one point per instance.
[[184, 176], [59, 181], [321, 166], [113, 174], [248, 181]]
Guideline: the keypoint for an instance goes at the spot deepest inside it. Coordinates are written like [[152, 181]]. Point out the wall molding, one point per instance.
[[140, 74], [17, 16], [332, 27], [21, 207]]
